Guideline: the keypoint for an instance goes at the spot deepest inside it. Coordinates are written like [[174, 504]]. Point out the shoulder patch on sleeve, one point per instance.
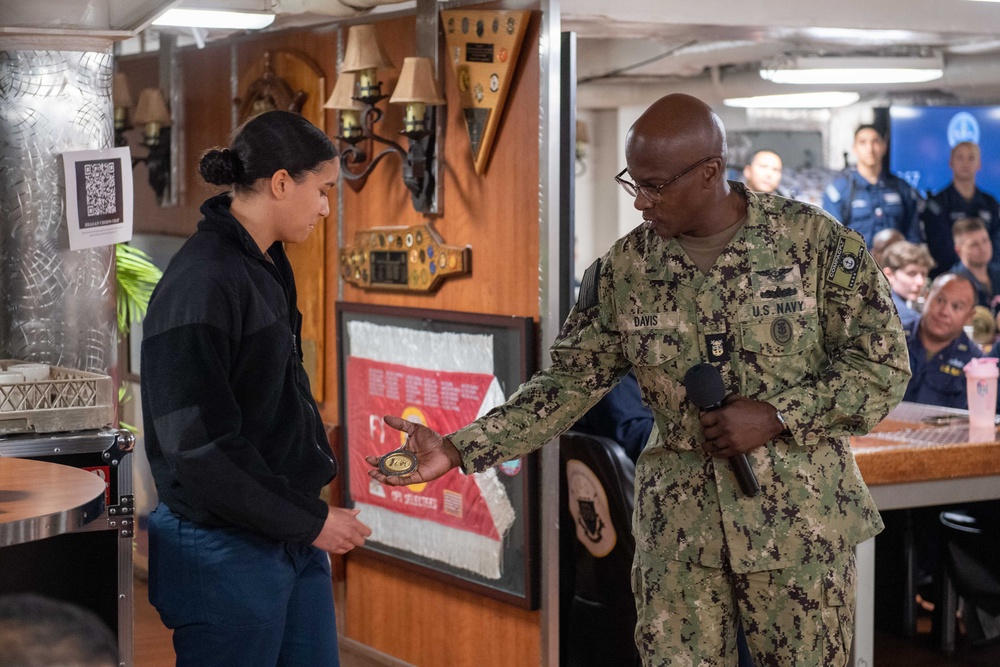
[[833, 193], [846, 263], [588, 297]]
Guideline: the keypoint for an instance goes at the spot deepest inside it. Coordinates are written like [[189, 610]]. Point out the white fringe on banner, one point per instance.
[[428, 350], [454, 546]]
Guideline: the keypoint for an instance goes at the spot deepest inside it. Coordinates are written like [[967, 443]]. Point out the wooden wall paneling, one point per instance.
[[497, 213], [206, 118], [418, 620], [205, 73], [392, 609], [320, 44]]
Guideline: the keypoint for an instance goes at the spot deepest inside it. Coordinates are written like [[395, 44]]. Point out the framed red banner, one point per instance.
[[443, 369]]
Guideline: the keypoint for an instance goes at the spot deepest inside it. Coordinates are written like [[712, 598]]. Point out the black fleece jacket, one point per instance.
[[233, 435]]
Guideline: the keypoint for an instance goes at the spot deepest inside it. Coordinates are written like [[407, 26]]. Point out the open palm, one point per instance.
[[435, 454]]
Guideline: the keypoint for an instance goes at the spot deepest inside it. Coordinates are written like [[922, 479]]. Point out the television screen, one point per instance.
[[921, 139]]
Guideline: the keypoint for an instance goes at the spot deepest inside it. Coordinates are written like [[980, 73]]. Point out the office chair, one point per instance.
[[598, 610], [971, 569]]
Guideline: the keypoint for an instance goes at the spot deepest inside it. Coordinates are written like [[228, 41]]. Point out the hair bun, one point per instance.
[[220, 167]]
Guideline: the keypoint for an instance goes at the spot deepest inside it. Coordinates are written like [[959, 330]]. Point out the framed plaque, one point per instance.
[[443, 369]]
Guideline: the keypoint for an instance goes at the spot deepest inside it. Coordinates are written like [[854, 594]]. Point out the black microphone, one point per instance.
[[705, 389]]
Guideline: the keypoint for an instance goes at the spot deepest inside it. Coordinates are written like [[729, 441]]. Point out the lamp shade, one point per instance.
[[417, 84], [342, 97], [152, 108], [364, 50], [120, 95]]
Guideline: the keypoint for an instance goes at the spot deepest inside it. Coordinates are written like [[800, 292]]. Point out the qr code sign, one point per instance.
[[99, 192], [99, 182]]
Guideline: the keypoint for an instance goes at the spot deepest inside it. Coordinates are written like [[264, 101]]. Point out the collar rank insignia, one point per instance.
[[718, 351]]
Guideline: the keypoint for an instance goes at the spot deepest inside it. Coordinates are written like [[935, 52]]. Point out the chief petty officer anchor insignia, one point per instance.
[[715, 344]]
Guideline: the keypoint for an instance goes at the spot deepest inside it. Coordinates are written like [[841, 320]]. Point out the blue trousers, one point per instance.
[[236, 598]]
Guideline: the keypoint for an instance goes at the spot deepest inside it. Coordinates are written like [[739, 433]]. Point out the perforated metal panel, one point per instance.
[[56, 305]]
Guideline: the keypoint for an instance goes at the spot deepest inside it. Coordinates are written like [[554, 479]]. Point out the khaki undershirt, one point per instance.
[[704, 250]]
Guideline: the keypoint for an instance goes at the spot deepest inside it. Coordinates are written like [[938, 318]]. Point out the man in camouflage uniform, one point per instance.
[[794, 313]]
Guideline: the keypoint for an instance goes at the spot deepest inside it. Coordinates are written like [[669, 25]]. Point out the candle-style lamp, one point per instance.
[[365, 56], [357, 103], [342, 99], [152, 112], [417, 89]]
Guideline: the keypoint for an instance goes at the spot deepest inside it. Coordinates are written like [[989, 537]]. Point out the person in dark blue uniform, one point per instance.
[[961, 199], [621, 416], [938, 346], [975, 252], [867, 199]]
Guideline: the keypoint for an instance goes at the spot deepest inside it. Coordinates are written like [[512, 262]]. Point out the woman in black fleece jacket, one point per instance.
[[238, 563]]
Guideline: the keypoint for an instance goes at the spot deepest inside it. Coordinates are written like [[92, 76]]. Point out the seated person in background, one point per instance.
[[961, 199], [883, 240], [975, 251], [938, 346], [906, 265], [763, 174]]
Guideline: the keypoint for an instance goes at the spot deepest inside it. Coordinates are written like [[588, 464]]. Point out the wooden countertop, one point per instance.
[[39, 499], [905, 448]]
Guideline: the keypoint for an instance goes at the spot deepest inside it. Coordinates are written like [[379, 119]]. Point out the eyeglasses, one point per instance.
[[652, 192]]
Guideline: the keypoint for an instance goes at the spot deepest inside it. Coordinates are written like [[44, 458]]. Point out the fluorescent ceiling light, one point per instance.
[[208, 18], [841, 71], [794, 101]]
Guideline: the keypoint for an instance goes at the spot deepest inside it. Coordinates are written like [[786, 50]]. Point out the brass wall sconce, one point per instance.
[[356, 95], [151, 112]]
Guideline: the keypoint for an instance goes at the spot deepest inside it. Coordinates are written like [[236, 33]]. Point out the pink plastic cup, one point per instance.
[[981, 386]]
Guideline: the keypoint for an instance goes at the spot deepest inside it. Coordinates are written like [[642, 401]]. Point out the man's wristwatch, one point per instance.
[[781, 419]]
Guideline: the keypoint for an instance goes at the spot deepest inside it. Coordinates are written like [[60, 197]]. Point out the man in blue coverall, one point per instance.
[[961, 199], [938, 346], [868, 199]]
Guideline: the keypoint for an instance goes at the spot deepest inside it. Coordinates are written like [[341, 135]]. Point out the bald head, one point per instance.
[[676, 155], [679, 127]]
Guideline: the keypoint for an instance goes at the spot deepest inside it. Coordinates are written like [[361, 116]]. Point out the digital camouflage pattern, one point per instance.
[[800, 615], [794, 312]]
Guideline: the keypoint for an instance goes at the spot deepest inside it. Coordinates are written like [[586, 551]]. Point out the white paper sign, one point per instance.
[[99, 197]]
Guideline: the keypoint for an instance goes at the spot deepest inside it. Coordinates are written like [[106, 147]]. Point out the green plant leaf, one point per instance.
[[136, 276]]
